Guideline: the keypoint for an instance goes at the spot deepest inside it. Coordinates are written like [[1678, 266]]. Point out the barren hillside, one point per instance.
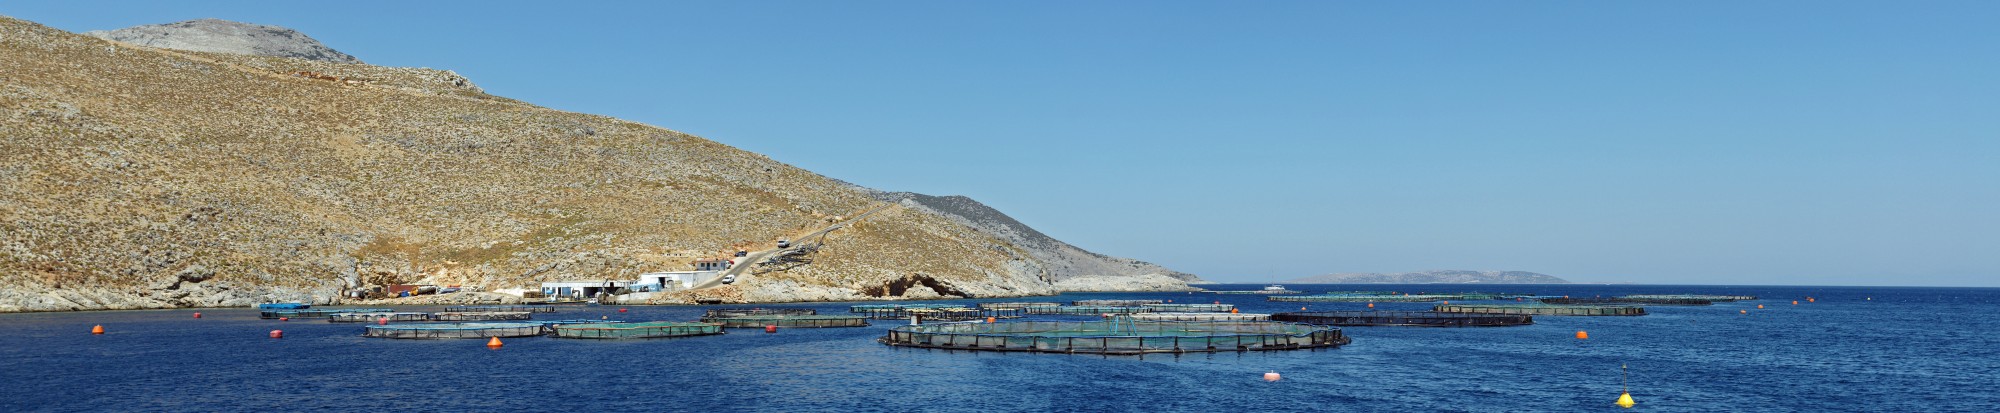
[[134, 177]]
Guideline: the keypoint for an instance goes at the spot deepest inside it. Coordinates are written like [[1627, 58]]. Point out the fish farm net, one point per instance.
[[944, 314], [741, 312], [875, 307], [1711, 298], [654, 329], [1116, 336], [1626, 300], [374, 317], [283, 306], [318, 312], [1114, 303], [456, 330], [482, 316], [1196, 317], [782, 320], [510, 308], [1087, 310], [1404, 318], [1190, 308], [1017, 305], [1543, 309]]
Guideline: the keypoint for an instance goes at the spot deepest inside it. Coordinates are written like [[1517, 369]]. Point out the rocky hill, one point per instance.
[[223, 36], [1069, 267], [1433, 277], [139, 177]]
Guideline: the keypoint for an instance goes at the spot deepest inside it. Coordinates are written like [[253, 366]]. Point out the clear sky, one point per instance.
[[1722, 142]]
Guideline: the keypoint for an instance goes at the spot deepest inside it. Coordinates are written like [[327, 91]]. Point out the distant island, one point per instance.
[[1433, 277]]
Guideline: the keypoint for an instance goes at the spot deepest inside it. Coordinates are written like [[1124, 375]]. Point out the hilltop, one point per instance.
[[1069, 267], [223, 36], [142, 177], [1433, 277]]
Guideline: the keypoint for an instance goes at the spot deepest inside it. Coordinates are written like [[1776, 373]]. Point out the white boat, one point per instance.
[[1274, 287]]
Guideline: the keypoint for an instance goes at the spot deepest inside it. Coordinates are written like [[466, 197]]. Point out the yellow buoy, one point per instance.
[[1625, 386], [1625, 400]]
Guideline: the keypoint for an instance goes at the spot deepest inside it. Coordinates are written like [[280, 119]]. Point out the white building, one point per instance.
[[676, 280], [582, 289]]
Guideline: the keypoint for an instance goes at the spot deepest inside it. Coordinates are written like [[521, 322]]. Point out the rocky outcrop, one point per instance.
[[223, 36], [1070, 268], [1433, 277]]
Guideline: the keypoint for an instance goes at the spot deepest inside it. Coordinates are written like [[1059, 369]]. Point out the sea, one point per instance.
[[1865, 349]]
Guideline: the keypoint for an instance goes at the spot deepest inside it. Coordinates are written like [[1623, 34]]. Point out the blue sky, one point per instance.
[[1770, 142]]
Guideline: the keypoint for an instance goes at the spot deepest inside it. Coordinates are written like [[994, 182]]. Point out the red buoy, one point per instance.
[[197, 315], [382, 321], [284, 319], [277, 333], [770, 328], [621, 310]]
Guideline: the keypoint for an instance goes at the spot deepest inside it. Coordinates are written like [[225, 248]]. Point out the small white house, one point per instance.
[[676, 280], [582, 289]]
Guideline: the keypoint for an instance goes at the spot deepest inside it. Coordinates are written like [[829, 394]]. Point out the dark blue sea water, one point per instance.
[[1907, 349]]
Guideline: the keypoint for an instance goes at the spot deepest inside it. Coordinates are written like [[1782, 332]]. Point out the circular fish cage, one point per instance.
[[1117, 336], [1710, 298], [1115, 303], [1087, 310], [1543, 309], [1364, 298], [317, 312], [508, 308], [788, 320], [1404, 318], [1017, 305], [652, 329], [1625, 300], [1197, 317], [456, 330], [864, 308], [373, 317], [742, 312], [1190, 308], [944, 314], [483, 316]]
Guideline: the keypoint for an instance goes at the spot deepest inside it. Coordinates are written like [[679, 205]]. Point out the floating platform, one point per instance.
[[1115, 303], [317, 312], [1543, 309], [945, 314], [1404, 318], [283, 306], [1017, 305], [457, 330], [874, 307], [1087, 310], [1711, 298], [487, 308], [1369, 298], [482, 316], [1189, 308], [652, 329], [374, 317], [740, 312], [1196, 317], [789, 321], [1624, 300], [1117, 336], [1271, 292]]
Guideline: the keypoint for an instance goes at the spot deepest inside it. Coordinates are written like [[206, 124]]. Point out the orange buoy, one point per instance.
[[1809, 299], [1581, 335], [493, 343], [1743, 311], [98, 329], [197, 315], [1371, 305], [1447, 303], [1232, 311], [1795, 302], [1272, 376], [1760, 306], [1170, 301], [1302, 308], [990, 319], [277, 333], [770, 328]]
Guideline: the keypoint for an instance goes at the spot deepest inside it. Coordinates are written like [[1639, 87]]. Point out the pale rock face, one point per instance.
[[223, 36]]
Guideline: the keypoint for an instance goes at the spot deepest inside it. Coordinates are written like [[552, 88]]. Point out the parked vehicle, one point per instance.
[[784, 243]]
